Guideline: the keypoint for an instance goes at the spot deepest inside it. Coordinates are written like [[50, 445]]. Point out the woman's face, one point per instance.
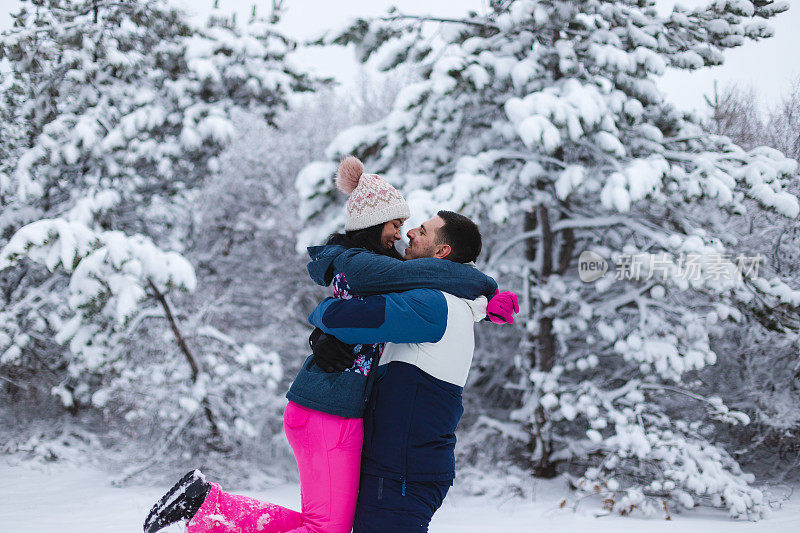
[[391, 232]]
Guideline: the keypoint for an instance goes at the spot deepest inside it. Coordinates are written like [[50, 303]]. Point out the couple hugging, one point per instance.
[[372, 414]]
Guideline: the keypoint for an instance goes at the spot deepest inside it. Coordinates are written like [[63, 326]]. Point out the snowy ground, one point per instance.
[[67, 499]]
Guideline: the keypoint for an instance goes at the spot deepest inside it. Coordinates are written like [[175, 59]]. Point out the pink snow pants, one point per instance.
[[328, 453]]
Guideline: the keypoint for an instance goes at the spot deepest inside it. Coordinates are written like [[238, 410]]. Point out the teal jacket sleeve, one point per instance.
[[369, 273], [418, 315]]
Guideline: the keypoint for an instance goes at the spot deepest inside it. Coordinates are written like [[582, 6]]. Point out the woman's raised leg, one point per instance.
[[328, 453], [223, 512]]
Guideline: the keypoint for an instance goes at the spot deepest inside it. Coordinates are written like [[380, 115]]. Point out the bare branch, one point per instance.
[[428, 18], [185, 350]]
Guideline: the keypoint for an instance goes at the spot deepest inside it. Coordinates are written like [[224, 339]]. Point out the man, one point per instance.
[[414, 406]]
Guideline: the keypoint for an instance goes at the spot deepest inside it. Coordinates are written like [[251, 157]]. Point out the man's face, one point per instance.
[[422, 241]]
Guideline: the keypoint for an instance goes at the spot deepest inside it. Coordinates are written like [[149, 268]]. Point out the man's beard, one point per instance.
[[417, 253]]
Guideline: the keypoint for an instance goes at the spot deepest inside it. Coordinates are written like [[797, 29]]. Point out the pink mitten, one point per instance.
[[502, 307]]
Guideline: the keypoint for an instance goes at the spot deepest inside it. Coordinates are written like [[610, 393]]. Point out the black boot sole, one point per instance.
[[189, 492]]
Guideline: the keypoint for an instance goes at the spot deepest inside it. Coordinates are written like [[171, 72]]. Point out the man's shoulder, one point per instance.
[[475, 308]]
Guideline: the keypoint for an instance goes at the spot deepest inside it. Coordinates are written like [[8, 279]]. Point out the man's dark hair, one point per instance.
[[368, 238], [461, 234]]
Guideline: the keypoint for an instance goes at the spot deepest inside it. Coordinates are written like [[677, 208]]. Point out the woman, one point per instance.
[[323, 419]]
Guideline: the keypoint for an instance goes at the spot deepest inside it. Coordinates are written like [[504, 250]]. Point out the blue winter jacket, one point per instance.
[[415, 404], [345, 393]]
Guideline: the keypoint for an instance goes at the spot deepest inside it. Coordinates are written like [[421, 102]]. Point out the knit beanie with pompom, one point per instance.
[[372, 200]]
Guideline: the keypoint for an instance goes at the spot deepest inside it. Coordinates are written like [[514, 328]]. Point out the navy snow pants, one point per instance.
[[384, 508]]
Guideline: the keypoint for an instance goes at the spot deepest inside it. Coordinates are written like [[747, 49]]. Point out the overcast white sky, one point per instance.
[[768, 65]]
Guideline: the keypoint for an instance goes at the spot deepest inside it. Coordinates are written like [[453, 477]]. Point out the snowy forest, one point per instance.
[[161, 178]]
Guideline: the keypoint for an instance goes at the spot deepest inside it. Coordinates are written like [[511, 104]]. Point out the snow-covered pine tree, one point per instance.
[[763, 376], [548, 114], [119, 109]]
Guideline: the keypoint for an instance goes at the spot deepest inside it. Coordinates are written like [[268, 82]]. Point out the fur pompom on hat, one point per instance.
[[372, 200], [350, 170]]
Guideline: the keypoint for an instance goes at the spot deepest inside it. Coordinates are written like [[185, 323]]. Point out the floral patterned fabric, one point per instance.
[[366, 354]]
